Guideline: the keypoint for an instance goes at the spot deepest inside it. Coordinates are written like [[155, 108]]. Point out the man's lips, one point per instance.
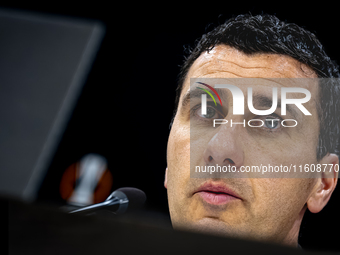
[[216, 193]]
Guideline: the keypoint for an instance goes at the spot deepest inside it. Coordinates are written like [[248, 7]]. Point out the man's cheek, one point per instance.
[[276, 196], [178, 158], [179, 146]]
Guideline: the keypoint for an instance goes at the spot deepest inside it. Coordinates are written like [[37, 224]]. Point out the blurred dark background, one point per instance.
[[127, 103]]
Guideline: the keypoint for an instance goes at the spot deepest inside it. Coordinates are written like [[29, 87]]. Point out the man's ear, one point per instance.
[[166, 178], [325, 185]]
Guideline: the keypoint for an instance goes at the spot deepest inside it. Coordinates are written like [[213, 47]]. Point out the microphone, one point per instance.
[[118, 202]]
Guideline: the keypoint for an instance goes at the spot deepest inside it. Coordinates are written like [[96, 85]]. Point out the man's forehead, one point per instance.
[[227, 62]]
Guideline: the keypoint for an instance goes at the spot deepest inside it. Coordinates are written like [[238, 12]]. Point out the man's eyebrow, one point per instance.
[[196, 93], [260, 100]]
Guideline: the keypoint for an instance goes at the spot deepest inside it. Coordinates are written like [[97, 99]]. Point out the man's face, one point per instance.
[[267, 209]]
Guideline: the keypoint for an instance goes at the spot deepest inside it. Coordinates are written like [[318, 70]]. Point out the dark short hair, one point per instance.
[[267, 34]]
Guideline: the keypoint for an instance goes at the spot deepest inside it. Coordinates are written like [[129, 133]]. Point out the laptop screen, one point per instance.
[[43, 66]]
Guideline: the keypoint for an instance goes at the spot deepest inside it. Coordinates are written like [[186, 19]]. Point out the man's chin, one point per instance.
[[217, 227], [208, 225]]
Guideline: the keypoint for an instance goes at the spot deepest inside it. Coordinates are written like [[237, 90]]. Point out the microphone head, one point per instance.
[[135, 196]]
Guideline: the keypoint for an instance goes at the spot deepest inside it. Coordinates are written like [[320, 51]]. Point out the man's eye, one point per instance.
[[210, 113], [272, 123]]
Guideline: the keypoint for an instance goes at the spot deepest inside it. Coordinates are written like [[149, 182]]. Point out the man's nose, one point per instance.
[[225, 148]]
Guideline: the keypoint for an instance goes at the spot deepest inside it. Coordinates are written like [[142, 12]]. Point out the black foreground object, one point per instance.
[[37, 229]]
